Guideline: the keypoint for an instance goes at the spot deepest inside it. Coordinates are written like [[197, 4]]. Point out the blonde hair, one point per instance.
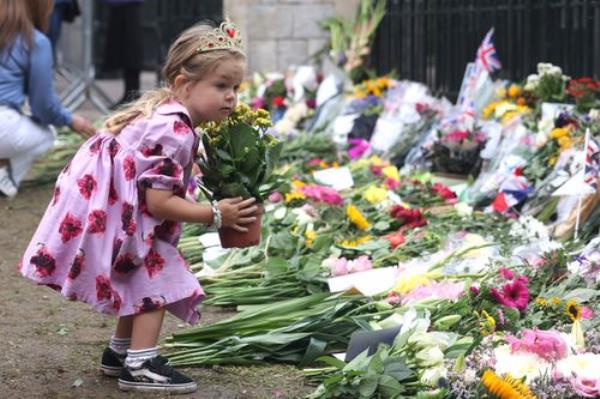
[[182, 59]]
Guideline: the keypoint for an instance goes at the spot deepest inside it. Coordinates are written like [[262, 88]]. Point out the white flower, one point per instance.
[[430, 357], [520, 364], [280, 213], [463, 209], [532, 82], [585, 365], [431, 376], [303, 217]]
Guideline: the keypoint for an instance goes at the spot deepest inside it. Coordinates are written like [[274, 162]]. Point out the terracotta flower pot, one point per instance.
[[231, 238]]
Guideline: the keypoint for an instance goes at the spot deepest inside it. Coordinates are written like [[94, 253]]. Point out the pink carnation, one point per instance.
[[549, 345], [506, 273], [586, 313], [585, 387], [358, 148], [275, 197], [322, 194], [514, 295], [391, 183]]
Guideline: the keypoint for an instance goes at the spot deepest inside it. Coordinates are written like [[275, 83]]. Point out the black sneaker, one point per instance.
[[155, 375], [112, 362]]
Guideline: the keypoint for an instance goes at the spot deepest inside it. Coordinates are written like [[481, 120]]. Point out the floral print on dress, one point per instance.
[[97, 221], [150, 303], [43, 261], [127, 223], [153, 263], [103, 288], [87, 185], [77, 265], [129, 167], [98, 241], [180, 127], [70, 227]]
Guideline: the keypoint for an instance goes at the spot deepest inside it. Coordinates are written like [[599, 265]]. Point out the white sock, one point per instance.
[[119, 345], [135, 358]]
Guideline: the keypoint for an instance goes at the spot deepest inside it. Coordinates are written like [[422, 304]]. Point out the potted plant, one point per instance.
[[238, 162], [457, 152]]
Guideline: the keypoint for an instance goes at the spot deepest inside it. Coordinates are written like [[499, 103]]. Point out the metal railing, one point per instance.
[[431, 41]]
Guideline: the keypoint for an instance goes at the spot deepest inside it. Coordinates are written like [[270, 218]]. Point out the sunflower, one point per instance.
[[505, 387], [357, 218], [355, 243], [294, 195], [541, 301], [573, 310]]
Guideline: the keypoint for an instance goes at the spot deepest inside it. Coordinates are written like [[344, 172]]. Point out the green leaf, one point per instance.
[[398, 369], [316, 348], [581, 295], [389, 387], [368, 386], [276, 265], [332, 361]]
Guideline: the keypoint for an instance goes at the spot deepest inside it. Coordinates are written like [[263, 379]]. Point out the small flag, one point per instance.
[[486, 54]]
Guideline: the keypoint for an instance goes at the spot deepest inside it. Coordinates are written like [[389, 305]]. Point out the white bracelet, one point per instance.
[[217, 219]]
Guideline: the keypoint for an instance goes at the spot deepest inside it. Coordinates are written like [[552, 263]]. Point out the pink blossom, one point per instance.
[[314, 162], [515, 295], [585, 387], [456, 135], [275, 197], [506, 273], [549, 344], [360, 264], [391, 183], [393, 298], [258, 102], [358, 148], [338, 266], [586, 313], [474, 290], [443, 290], [322, 194]]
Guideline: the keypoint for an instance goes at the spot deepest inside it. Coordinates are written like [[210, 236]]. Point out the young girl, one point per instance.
[[109, 234], [26, 73]]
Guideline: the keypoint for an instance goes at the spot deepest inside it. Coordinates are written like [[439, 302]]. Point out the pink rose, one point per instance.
[[585, 387]]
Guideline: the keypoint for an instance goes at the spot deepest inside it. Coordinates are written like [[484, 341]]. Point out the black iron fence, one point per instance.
[[431, 41]]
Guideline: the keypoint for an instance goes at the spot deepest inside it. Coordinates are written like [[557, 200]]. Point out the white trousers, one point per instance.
[[22, 140]]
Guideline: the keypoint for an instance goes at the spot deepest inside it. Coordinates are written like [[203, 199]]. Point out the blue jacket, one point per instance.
[[29, 73]]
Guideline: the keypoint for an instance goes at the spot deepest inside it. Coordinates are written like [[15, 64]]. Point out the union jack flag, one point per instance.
[[486, 54]]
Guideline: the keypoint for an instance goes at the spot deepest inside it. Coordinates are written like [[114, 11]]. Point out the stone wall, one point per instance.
[[280, 33]]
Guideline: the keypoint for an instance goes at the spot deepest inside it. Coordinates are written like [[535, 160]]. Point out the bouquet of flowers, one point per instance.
[[239, 157], [458, 151], [585, 93]]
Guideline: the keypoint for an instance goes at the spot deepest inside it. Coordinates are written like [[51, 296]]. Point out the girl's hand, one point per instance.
[[236, 212], [82, 126]]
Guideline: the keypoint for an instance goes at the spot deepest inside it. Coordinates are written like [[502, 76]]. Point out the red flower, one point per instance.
[[154, 263], [113, 196], [278, 101], [97, 221], [95, 147], [87, 185], [103, 288], [148, 304], [181, 128], [443, 191], [113, 148], [129, 167], [127, 223], [154, 151], [396, 239], [515, 295], [55, 195], [124, 264], [410, 218], [70, 227], [43, 261], [77, 265]]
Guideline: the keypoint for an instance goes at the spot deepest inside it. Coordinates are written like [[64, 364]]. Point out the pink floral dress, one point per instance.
[[97, 241]]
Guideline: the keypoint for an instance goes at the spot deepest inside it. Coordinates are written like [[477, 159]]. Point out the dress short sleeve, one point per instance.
[[164, 152]]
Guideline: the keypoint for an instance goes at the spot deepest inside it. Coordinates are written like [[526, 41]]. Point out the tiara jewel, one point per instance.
[[226, 36]]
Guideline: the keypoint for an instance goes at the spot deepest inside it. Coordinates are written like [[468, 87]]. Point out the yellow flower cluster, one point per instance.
[[562, 135], [375, 194], [488, 325], [357, 218], [408, 282], [391, 172], [243, 114], [310, 235], [294, 195], [355, 243], [373, 86], [506, 387], [504, 110], [572, 309]]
